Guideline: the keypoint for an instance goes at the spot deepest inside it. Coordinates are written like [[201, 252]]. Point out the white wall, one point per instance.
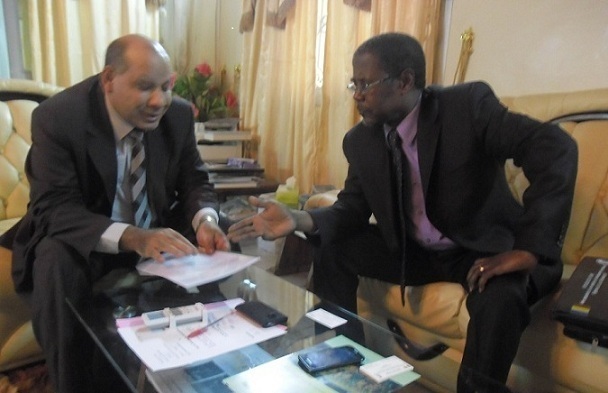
[[531, 46]]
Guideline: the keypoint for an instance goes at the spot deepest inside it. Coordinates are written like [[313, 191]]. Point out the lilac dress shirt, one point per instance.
[[417, 221]]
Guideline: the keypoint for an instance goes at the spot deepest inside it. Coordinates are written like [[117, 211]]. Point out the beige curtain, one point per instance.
[[419, 18], [278, 91], [189, 33], [347, 28], [68, 38], [300, 129]]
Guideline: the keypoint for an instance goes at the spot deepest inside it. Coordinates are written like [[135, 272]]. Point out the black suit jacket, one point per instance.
[[464, 137], [72, 171]]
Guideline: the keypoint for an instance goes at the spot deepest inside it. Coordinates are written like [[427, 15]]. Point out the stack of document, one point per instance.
[[193, 270], [166, 348]]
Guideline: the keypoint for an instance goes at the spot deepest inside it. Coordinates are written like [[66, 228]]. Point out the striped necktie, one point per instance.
[[137, 180], [394, 142]]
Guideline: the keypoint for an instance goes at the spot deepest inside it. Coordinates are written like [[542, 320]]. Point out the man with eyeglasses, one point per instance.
[[428, 162]]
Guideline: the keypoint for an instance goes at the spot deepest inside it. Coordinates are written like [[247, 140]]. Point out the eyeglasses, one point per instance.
[[364, 86]]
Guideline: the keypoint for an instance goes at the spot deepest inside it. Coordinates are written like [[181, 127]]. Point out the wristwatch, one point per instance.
[[206, 218]]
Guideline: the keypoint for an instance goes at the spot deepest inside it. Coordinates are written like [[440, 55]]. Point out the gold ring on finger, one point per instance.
[[481, 269]]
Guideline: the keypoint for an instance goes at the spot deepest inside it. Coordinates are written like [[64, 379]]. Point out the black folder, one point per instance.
[[583, 303]]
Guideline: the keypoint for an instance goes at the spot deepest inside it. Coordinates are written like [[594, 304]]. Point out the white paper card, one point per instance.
[[326, 318], [383, 369]]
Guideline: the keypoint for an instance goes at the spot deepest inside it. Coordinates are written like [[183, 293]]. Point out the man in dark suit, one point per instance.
[[456, 219], [81, 221]]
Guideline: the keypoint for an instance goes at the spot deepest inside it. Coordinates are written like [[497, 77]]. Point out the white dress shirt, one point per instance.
[[122, 213]]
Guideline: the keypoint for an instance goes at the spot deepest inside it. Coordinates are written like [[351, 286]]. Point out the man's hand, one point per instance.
[[485, 268], [276, 220], [152, 243], [210, 238]]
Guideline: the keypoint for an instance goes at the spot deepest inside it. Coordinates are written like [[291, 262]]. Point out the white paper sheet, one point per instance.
[[169, 348], [194, 270]]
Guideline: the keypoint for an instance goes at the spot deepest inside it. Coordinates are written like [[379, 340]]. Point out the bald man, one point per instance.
[[82, 221]]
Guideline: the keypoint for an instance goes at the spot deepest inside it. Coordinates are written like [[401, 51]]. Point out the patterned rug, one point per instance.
[[31, 379]]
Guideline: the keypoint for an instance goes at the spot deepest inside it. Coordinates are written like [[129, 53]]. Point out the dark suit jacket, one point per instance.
[[72, 165], [464, 137]]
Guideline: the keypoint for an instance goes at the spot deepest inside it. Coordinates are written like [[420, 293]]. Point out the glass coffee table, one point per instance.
[[97, 317]]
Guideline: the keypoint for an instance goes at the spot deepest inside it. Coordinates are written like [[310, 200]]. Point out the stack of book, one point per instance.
[[236, 173], [220, 139]]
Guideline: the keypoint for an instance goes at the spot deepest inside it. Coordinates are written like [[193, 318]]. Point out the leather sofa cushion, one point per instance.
[[15, 141], [18, 98]]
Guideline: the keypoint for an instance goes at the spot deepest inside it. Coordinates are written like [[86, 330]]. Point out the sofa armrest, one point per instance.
[[323, 199]]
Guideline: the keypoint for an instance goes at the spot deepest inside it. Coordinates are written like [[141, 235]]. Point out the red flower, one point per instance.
[[207, 99], [231, 100], [204, 69]]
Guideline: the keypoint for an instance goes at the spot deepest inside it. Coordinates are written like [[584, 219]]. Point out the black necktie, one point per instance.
[[137, 180], [394, 142]]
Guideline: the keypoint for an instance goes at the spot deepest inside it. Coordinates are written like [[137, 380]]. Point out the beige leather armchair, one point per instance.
[[435, 315], [18, 98]]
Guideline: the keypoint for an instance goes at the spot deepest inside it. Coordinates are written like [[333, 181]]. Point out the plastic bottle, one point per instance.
[[288, 193]]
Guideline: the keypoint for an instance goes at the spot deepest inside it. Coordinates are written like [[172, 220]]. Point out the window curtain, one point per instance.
[[4, 63], [300, 127], [68, 38], [277, 91], [188, 30]]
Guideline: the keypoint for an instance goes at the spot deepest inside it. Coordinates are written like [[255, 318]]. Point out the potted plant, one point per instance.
[[208, 100]]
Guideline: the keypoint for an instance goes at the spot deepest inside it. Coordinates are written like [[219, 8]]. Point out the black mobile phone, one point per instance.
[[327, 358], [262, 313]]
